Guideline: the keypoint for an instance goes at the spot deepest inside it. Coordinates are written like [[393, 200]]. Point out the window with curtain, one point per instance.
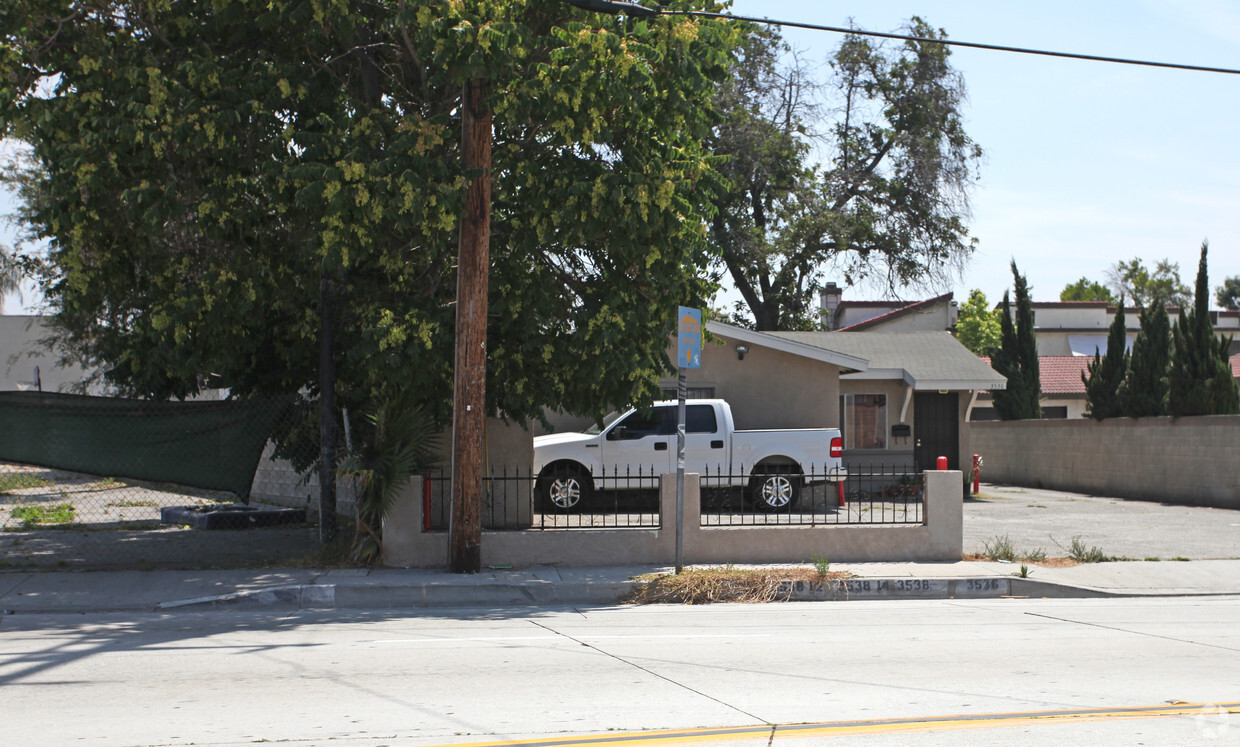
[[863, 418]]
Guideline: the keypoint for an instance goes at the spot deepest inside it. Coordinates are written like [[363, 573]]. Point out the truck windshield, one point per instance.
[[608, 419]]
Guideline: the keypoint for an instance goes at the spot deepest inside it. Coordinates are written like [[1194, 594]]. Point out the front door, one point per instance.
[[936, 419]]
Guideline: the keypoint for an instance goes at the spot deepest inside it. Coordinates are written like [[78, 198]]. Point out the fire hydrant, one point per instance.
[[977, 473]]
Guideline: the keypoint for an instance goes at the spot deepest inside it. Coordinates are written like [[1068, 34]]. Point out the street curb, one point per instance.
[[362, 596], [416, 596]]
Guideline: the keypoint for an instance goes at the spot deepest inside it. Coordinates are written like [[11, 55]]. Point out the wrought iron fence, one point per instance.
[[514, 499], [871, 494], [569, 498]]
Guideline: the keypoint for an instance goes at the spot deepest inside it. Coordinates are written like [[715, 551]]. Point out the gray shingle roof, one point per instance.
[[925, 360]]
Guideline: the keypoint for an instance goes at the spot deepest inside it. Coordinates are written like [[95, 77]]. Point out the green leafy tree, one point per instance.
[[1228, 294], [1087, 290], [224, 182], [1017, 357], [1105, 374], [1144, 286], [891, 200], [1144, 391], [1201, 380], [978, 326]]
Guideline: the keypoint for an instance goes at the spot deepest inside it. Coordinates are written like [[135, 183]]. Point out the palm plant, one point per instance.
[[401, 441]]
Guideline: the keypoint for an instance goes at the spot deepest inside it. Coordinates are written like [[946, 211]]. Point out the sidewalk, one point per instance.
[[171, 591]]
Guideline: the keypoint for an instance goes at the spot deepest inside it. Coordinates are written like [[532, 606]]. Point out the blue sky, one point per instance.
[[1087, 163]]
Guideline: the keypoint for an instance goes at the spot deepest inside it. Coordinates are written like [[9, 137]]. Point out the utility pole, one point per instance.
[[469, 377]]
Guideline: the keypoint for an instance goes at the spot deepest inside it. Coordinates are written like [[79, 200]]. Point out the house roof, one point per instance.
[[844, 360], [1060, 375], [910, 308], [926, 361]]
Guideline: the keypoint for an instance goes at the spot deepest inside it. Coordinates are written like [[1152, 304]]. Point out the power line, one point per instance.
[[636, 10]]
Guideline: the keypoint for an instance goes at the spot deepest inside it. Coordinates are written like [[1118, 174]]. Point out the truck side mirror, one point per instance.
[[619, 433]]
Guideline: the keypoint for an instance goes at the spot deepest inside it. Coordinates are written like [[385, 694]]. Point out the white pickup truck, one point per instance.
[[630, 450]]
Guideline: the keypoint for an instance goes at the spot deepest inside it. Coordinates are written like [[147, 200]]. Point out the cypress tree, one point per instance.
[[1106, 373], [1017, 358], [1144, 391], [1201, 381]]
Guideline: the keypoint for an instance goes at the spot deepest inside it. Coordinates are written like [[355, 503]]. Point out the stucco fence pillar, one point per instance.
[[939, 538]]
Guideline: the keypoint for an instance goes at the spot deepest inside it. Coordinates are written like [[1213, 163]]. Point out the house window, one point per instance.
[[863, 418], [701, 391]]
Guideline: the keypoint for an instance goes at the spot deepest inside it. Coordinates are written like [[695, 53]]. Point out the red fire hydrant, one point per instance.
[[942, 464], [977, 473]]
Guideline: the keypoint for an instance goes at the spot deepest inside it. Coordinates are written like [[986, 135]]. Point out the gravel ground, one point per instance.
[[1048, 520]]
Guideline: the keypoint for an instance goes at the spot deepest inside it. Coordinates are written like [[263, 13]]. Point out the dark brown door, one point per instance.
[[936, 427]]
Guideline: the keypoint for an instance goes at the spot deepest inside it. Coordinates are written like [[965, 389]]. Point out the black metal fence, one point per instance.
[[570, 498], [515, 499], [871, 494]]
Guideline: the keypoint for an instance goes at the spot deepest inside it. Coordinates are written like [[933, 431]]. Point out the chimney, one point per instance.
[[829, 300]]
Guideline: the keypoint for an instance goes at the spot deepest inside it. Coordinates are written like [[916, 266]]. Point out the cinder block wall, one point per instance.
[[1193, 461]]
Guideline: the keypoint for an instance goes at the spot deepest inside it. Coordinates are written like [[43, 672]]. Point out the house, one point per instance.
[[837, 314], [26, 365], [1069, 333]]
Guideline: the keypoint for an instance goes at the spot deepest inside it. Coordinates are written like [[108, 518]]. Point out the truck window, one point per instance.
[[657, 421], [701, 419]]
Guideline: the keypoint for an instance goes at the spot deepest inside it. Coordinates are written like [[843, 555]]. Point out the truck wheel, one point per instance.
[[775, 491], [563, 491]]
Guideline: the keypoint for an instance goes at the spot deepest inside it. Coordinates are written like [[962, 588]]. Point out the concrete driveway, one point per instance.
[[1035, 519]]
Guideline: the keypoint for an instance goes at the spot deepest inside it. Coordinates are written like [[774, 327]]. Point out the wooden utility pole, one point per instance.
[[472, 280]]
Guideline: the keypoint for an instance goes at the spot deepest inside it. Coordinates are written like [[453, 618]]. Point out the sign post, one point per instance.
[[688, 355]]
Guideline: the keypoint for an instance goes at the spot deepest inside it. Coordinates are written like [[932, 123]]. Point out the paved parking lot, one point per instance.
[[1048, 520]]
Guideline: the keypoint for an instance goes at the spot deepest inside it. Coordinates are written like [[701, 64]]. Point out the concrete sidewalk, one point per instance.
[[170, 591]]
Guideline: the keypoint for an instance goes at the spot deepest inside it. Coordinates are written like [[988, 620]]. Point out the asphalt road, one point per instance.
[[1048, 520], [467, 675]]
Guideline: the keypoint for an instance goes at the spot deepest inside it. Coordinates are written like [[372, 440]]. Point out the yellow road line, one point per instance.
[[875, 726]]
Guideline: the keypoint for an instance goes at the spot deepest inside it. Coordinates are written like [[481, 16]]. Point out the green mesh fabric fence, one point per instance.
[[213, 445]]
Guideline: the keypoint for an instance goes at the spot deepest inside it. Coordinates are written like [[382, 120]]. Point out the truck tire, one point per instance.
[[563, 490], [775, 490]]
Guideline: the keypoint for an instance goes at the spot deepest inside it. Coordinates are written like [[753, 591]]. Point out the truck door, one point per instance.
[[706, 445], [637, 449]]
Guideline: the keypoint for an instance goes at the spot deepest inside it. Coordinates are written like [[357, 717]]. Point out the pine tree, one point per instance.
[[1017, 358], [1106, 373], [1201, 381], [1144, 391]]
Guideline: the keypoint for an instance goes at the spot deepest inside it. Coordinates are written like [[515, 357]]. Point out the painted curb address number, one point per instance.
[[896, 587]]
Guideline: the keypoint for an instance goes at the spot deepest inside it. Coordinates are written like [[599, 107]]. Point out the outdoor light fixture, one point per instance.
[[740, 352]]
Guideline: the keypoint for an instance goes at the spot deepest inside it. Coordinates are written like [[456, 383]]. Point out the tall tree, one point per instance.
[[215, 173], [1144, 391], [1105, 374], [1087, 290], [892, 198], [1145, 286], [1228, 294], [978, 326], [1201, 380], [1017, 358]]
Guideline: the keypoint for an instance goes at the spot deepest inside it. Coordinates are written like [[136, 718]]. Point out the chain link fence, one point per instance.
[[93, 483]]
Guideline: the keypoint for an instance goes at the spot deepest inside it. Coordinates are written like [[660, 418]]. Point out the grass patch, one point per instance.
[[20, 481], [1181, 559], [130, 504], [1082, 554], [31, 516], [1001, 548], [725, 584]]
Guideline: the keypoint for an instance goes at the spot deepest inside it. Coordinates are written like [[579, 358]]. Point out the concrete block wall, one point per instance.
[[1192, 461], [940, 537]]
